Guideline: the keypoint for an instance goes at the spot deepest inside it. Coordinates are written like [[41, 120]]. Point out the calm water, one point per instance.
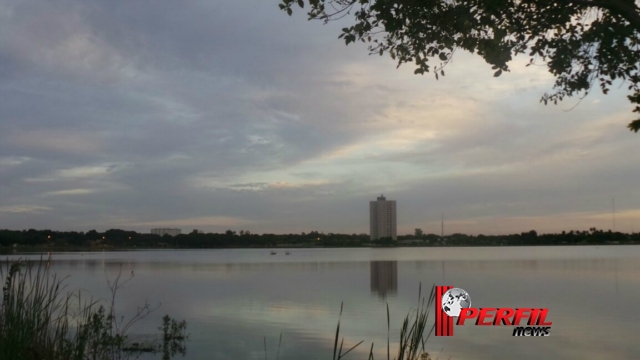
[[232, 299]]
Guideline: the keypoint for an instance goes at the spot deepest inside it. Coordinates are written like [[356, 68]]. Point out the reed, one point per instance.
[[40, 320], [413, 334]]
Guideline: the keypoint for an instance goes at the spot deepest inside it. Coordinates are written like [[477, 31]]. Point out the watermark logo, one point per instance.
[[455, 302]]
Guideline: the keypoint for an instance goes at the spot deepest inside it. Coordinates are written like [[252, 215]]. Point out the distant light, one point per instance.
[[49, 237], [103, 237]]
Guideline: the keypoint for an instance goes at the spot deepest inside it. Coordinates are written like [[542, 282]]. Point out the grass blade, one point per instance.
[[388, 333], [279, 342], [354, 346], [335, 344]]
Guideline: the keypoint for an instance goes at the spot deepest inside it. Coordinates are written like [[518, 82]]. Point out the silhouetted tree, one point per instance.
[[580, 41]]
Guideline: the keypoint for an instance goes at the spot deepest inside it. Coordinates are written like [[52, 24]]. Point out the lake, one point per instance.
[[232, 299]]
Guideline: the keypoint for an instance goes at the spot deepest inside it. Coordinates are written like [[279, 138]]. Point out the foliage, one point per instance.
[[32, 240], [413, 335], [38, 322], [384, 241], [173, 334], [581, 42]]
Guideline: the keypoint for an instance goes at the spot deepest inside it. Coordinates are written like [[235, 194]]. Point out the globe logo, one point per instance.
[[455, 300]]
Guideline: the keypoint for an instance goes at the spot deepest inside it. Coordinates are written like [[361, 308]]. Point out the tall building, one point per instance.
[[166, 231], [382, 218]]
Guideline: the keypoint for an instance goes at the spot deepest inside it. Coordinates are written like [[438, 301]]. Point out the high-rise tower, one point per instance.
[[382, 218]]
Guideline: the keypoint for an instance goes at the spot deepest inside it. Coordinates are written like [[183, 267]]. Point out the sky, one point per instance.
[[227, 114]]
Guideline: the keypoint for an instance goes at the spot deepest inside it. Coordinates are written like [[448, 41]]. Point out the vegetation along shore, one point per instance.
[[114, 239]]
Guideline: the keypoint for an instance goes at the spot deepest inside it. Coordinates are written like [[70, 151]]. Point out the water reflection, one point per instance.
[[233, 299], [384, 278]]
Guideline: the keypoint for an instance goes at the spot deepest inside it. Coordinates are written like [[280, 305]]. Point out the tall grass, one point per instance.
[[39, 320], [413, 334], [34, 317], [412, 344]]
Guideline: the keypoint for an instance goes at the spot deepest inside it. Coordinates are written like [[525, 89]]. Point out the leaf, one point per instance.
[[496, 31]]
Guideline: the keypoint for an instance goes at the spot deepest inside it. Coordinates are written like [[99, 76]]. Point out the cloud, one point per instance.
[[80, 172], [55, 140], [206, 221], [70, 192], [552, 223], [18, 209], [118, 115], [12, 160]]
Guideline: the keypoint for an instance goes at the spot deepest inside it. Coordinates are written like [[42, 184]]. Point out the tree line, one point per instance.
[[116, 238]]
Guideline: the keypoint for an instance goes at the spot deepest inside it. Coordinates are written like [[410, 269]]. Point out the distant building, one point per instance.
[[166, 231], [384, 278], [382, 219]]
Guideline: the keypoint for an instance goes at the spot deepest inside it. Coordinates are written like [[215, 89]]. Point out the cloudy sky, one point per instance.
[[229, 114]]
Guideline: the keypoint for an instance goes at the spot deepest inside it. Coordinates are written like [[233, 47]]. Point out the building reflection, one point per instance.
[[384, 278]]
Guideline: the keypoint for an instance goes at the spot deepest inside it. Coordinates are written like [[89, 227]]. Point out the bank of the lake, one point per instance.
[[114, 239]]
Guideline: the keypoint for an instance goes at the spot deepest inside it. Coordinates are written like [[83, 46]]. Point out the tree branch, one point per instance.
[[628, 11]]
